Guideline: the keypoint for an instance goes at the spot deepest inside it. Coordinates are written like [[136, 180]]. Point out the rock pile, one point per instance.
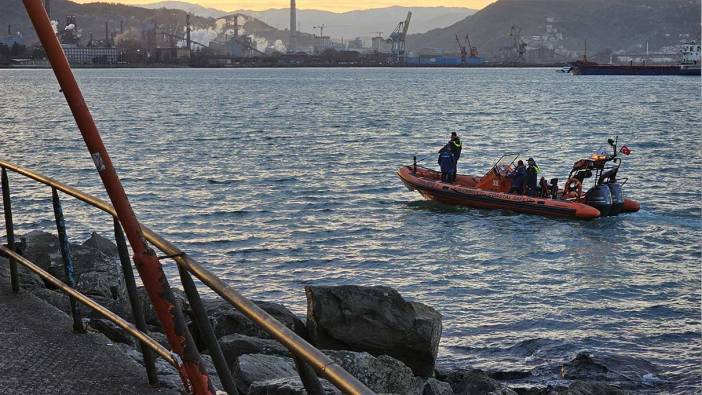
[[385, 341], [377, 320]]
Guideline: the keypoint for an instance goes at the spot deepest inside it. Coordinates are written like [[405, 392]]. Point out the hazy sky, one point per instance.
[[330, 5]]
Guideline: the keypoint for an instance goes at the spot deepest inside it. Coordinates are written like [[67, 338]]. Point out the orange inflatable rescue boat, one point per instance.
[[604, 198]]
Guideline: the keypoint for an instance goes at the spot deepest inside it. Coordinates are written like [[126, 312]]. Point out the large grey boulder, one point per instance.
[[381, 374], [226, 320], [96, 273], [435, 387], [287, 386], [475, 382], [622, 371], [106, 246], [376, 320], [235, 345], [250, 368]]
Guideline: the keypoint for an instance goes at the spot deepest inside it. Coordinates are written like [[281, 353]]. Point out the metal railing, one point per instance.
[[308, 359]]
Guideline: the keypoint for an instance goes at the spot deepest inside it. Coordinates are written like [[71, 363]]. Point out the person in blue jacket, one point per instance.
[[518, 176], [447, 163]]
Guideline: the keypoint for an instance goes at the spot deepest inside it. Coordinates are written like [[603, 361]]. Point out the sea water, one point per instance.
[[280, 178]]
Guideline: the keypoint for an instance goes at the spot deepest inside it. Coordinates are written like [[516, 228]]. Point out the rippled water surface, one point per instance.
[[276, 179]]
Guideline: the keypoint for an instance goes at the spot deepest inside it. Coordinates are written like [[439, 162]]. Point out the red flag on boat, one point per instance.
[[625, 150]]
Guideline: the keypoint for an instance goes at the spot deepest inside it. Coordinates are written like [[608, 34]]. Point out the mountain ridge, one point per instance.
[[347, 24], [565, 27]]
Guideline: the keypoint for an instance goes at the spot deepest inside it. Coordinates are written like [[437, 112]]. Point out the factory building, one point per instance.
[[91, 55]]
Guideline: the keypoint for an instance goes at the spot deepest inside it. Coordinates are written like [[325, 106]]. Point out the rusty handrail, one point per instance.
[[292, 341], [119, 321]]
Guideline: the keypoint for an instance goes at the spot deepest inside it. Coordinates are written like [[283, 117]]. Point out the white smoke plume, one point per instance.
[[279, 46], [70, 27], [260, 43], [202, 36]]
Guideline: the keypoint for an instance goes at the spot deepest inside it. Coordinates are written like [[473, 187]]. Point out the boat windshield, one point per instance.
[[502, 166]]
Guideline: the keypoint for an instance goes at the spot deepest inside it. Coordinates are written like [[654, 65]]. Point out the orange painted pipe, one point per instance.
[[192, 371]]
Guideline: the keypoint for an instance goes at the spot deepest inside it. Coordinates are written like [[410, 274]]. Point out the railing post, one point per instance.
[[134, 302], [67, 260], [309, 377], [205, 330], [10, 229]]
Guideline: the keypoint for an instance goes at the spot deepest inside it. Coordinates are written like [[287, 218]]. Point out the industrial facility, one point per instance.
[[238, 40]]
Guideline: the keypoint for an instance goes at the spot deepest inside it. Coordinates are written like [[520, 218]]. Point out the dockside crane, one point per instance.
[[397, 38], [462, 50], [473, 50], [465, 47]]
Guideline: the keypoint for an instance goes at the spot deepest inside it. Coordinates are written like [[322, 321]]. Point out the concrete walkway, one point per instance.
[[40, 354]]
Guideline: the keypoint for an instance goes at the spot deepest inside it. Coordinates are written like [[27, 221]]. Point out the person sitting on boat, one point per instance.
[[532, 175], [518, 175], [447, 164], [456, 146]]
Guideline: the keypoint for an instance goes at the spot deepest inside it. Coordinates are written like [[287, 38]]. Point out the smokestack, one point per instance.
[[187, 31], [121, 27], [107, 35], [293, 26], [236, 26]]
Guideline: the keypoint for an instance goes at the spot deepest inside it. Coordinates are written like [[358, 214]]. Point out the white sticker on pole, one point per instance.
[[97, 159]]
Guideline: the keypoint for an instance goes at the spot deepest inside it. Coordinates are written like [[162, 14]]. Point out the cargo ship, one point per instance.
[[689, 65]]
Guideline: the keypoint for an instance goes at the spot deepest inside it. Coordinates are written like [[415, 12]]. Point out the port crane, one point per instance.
[[397, 38], [465, 47]]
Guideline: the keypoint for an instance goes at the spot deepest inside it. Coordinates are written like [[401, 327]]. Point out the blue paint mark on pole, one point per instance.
[[67, 260]]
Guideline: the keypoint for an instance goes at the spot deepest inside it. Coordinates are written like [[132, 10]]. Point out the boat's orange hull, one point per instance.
[[464, 193]]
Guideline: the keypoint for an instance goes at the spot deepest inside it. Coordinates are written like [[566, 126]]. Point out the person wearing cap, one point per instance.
[[455, 145], [532, 175]]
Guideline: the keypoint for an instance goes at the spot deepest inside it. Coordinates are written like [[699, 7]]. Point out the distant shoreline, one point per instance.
[[254, 66]]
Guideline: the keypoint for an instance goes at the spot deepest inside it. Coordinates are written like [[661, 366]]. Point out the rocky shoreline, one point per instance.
[[387, 342]]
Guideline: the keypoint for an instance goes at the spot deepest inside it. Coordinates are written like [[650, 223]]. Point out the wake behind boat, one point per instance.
[[604, 198]]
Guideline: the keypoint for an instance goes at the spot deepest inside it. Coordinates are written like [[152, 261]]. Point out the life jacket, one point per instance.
[[532, 175], [456, 146]]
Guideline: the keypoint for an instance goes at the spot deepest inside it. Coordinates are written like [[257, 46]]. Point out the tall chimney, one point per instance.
[[293, 27], [236, 26], [121, 27], [107, 35], [187, 31]]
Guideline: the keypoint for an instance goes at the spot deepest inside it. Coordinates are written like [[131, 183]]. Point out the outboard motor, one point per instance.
[[615, 189], [600, 198]]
